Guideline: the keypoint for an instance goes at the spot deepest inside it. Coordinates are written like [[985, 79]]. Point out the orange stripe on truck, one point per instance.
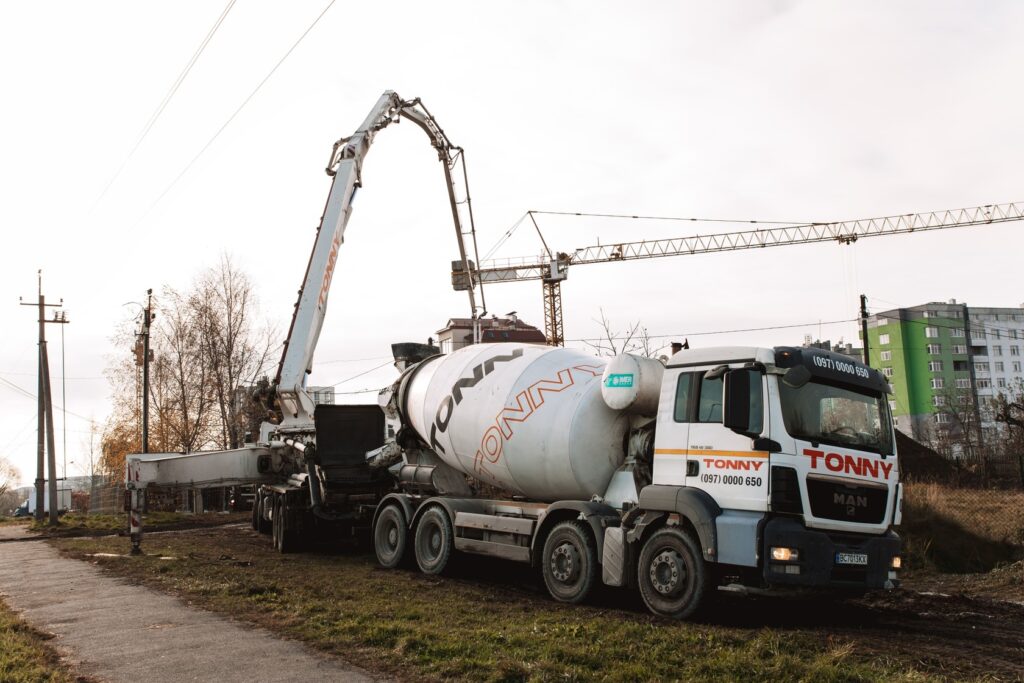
[[717, 454]]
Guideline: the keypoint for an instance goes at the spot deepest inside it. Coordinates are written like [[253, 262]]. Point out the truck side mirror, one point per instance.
[[743, 401], [736, 401]]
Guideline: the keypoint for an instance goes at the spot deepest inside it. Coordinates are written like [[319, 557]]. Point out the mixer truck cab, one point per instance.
[[734, 467]]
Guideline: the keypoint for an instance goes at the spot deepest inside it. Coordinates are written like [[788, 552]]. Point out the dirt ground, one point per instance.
[[938, 626]]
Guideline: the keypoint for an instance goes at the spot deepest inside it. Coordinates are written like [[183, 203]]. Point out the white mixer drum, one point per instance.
[[529, 419]]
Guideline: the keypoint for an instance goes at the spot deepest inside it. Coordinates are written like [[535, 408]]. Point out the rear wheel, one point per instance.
[[259, 520], [671, 573], [390, 536], [569, 563], [434, 539]]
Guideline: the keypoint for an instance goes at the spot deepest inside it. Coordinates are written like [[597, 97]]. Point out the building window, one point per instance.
[[935, 366], [963, 400], [1001, 383], [978, 333], [1016, 366], [886, 355], [938, 383], [888, 372], [931, 332], [956, 332], [1013, 334], [959, 348], [997, 350], [999, 366], [883, 339], [995, 334], [1014, 350], [984, 384], [882, 321], [938, 401], [963, 383], [941, 418], [981, 367], [934, 349]]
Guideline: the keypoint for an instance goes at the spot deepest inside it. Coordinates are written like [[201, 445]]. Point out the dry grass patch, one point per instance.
[[26, 656]]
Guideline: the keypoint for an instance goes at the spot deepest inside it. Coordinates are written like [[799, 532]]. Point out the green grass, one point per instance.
[[473, 627], [25, 654]]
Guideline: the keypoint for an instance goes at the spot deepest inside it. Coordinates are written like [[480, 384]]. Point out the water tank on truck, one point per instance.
[[526, 418]]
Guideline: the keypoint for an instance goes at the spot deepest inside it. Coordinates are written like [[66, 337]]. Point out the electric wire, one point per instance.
[[683, 335], [366, 372], [30, 395], [237, 111], [167, 99]]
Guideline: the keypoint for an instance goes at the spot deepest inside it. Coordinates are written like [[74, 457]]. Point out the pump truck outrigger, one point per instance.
[[733, 467]]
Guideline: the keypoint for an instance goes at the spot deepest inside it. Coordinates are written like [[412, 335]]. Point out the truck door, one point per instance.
[[727, 466], [672, 436]]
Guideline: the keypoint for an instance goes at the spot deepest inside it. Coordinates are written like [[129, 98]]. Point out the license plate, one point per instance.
[[852, 558]]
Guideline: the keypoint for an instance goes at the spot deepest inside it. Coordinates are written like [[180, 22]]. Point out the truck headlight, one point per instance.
[[897, 562], [785, 554]]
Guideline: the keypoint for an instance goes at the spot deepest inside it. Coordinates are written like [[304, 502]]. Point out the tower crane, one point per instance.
[[551, 268]]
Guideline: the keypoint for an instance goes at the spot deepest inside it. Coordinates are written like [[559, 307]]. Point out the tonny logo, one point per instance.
[[848, 464], [444, 411], [492, 444], [721, 464], [332, 260]]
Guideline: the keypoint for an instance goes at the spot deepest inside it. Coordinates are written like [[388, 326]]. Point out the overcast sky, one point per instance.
[[790, 111]]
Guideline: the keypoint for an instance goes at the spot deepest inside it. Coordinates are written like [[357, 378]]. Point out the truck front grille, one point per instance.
[[846, 503]]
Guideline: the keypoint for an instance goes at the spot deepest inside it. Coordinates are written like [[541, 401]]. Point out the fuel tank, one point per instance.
[[529, 419]]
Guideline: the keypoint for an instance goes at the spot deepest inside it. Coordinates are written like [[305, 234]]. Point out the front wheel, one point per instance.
[[390, 536], [671, 573], [569, 563]]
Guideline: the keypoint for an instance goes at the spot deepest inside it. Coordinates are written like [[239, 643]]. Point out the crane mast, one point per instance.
[[345, 167], [552, 269]]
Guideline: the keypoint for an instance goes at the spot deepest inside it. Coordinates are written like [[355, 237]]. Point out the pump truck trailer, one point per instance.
[[741, 468]]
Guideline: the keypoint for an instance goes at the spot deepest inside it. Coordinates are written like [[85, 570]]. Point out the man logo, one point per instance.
[[851, 502]]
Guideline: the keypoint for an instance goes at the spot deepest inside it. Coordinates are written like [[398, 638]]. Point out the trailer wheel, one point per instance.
[[433, 542], [259, 522], [285, 539], [671, 573], [569, 563], [390, 537]]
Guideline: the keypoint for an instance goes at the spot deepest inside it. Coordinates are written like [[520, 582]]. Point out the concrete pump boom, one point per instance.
[[345, 166]]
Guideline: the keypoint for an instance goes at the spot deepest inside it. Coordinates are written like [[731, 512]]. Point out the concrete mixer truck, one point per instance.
[[734, 467], [738, 467]]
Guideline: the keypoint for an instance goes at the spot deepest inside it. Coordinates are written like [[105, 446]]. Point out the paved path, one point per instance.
[[114, 631]]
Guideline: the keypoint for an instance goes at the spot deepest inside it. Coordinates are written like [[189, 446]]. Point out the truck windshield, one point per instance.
[[835, 415]]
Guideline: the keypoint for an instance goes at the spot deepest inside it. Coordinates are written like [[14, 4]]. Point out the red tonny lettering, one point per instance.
[[332, 260], [722, 464], [848, 464]]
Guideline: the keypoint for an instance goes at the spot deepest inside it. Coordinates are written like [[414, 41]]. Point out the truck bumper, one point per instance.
[[817, 562]]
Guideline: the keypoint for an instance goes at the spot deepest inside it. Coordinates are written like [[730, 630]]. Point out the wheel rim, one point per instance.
[[668, 574], [430, 548], [565, 563], [389, 537]]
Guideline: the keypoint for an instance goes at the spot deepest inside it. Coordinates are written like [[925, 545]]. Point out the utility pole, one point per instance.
[[45, 414], [143, 360], [864, 327]]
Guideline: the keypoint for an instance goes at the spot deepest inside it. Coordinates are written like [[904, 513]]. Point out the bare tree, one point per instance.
[[612, 342], [9, 476], [236, 352], [1008, 411]]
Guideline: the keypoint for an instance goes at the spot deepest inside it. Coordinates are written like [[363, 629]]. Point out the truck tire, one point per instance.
[[259, 521], [285, 538], [569, 563], [671, 573], [434, 540], [390, 537]]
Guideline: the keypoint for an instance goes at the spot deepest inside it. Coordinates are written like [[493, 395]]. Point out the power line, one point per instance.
[[167, 98], [30, 395], [702, 334], [367, 372], [235, 114], [667, 218]]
